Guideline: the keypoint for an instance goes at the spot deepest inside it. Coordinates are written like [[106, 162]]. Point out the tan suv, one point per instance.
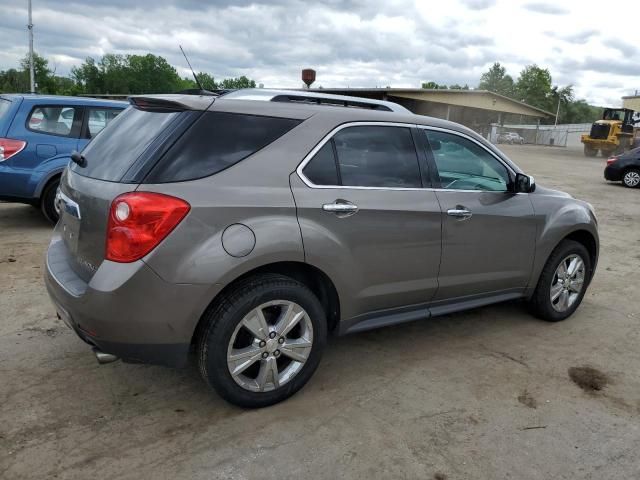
[[249, 225]]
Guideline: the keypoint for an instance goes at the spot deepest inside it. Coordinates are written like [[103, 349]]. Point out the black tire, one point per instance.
[[223, 317], [540, 303], [590, 152], [630, 178], [47, 200]]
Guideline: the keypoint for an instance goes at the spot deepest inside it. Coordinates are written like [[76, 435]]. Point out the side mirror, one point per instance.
[[524, 183]]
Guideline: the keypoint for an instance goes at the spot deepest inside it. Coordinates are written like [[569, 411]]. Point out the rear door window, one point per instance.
[[367, 156], [97, 119], [109, 156], [215, 142], [55, 120]]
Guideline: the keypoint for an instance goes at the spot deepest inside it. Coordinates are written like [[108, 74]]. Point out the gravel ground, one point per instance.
[[487, 394]]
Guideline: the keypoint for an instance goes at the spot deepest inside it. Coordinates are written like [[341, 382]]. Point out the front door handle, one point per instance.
[[459, 212], [342, 208]]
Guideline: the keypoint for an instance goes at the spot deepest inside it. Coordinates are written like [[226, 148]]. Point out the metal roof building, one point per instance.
[[476, 109]]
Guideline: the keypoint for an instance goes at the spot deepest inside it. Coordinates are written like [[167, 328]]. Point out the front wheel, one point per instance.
[[631, 178], [262, 341], [563, 282]]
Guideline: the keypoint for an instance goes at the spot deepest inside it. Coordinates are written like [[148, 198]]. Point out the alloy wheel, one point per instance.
[[270, 346], [568, 282], [631, 179]]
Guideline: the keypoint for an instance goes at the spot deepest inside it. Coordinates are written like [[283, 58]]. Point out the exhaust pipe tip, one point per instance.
[[104, 358]]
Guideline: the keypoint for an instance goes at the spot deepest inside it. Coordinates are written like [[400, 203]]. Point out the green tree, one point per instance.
[[497, 80], [534, 87], [207, 81], [88, 77], [42, 73], [240, 82], [151, 74], [433, 86]]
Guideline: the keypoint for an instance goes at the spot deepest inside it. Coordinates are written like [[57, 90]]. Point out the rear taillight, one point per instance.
[[9, 147], [611, 160], [139, 221]]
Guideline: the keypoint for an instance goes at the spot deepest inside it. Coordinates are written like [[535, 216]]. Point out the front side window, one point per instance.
[[57, 120], [367, 156], [464, 165], [98, 118]]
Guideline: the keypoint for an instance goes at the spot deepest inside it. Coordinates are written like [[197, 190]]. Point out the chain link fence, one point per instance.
[[552, 135]]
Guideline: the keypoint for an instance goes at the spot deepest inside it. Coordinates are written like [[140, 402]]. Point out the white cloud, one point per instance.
[[354, 42]]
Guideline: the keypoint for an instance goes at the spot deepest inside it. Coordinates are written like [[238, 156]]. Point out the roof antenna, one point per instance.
[[194, 73]]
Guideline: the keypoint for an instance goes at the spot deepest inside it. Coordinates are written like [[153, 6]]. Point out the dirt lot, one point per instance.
[[488, 394]]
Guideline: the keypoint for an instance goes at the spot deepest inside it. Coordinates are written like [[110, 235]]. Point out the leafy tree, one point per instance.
[[456, 86], [497, 80], [207, 81], [240, 82], [534, 87], [88, 76], [433, 86]]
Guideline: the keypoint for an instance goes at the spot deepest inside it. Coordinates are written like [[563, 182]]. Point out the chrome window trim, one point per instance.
[[330, 135]]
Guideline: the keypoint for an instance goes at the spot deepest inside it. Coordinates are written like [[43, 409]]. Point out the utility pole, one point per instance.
[[557, 111], [32, 82]]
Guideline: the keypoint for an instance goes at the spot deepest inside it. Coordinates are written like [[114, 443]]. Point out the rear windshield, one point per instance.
[[217, 141], [115, 149], [4, 106]]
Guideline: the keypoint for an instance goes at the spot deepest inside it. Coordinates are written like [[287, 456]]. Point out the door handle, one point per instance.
[[459, 212], [341, 208]]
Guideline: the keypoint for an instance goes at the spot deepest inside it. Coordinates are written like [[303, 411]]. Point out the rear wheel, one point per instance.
[[590, 152], [562, 283], [48, 205], [631, 178], [263, 341]]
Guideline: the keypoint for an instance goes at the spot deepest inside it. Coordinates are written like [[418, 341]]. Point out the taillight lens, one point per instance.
[[139, 221], [9, 147], [611, 160]]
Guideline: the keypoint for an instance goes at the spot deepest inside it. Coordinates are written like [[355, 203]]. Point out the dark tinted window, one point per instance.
[[464, 165], [371, 156], [110, 154], [322, 170], [215, 142]]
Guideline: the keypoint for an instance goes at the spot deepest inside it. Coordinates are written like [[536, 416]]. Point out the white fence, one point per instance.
[[567, 135]]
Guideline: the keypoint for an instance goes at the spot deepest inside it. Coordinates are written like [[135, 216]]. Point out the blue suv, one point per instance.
[[37, 135]]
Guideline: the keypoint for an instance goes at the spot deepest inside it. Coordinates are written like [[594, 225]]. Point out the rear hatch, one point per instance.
[[116, 161]]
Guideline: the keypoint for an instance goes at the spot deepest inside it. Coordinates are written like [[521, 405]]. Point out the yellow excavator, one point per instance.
[[615, 133]]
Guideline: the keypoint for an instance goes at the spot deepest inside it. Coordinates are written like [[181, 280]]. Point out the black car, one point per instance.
[[625, 168]]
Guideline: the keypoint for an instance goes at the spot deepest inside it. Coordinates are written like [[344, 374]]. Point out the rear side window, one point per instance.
[[322, 169], [217, 141], [110, 154], [98, 118], [368, 156], [4, 106], [55, 120]]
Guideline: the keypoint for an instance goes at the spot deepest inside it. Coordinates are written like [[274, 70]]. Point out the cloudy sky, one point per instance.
[[360, 43]]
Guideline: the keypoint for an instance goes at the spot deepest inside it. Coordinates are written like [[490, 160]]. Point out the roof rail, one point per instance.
[[314, 98]]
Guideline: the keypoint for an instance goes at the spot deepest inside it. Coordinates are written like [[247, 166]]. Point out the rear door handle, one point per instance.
[[459, 212], [342, 208]]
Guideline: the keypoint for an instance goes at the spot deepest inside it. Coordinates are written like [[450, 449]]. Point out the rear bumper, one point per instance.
[[125, 309], [612, 174]]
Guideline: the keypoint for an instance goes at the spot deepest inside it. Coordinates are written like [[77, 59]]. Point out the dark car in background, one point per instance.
[[624, 168], [37, 135]]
